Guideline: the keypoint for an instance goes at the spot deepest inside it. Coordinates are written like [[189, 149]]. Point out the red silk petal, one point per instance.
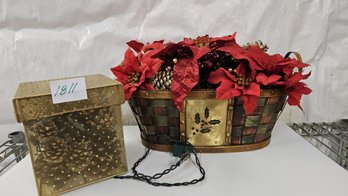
[[294, 63], [226, 90], [129, 90], [266, 80], [119, 73], [235, 50], [155, 46], [188, 42], [130, 62], [147, 86], [307, 75], [249, 103], [216, 76], [185, 77], [198, 53], [225, 38], [295, 93], [294, 78], [135, 45], [152, 64], [239, 53], [252, 89]]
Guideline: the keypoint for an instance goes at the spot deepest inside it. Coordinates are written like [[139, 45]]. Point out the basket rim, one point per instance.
[[211, 149], [202, 93]]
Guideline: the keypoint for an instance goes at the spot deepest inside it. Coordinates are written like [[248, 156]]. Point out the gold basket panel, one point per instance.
[[206, 121]]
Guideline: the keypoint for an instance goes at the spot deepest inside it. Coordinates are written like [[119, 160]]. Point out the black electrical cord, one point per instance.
[[150, 179]]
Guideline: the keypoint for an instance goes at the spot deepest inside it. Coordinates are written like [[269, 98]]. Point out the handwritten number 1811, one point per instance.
[[65, 89]]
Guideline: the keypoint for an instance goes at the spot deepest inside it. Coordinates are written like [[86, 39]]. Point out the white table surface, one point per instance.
[[289, 166]]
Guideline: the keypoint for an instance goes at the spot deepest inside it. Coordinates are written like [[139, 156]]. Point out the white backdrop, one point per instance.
[[42, 39]]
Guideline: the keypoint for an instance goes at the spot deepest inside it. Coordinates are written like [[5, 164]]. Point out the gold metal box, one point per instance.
[[73, 144]]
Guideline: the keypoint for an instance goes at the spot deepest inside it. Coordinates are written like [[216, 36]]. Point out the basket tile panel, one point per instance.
[[158, 119], [151, 130], [174, 132], [249, 130], [237, 131], [238, 120], [255, 127], [259, 138], [248, 139], [159, 111], [145, 111], [252, 121]]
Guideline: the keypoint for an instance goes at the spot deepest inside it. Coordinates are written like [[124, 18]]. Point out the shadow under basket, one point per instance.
[[209, 124]]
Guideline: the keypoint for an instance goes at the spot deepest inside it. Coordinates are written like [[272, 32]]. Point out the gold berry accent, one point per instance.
[[243, 81], [201, 41], [133, 78]]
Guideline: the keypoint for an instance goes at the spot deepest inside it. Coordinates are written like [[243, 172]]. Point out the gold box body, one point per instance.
[[73, 144]]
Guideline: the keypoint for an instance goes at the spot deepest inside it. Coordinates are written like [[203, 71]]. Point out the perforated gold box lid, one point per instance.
[[33, 100]]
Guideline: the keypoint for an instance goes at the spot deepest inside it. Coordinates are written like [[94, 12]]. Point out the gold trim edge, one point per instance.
[[211, 149], [207, 93]]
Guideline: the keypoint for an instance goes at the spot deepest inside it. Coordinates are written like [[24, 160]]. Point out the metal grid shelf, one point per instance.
[[329, 138], [13, 150]]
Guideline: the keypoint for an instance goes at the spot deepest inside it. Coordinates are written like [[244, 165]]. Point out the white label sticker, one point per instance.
[[68, 90]]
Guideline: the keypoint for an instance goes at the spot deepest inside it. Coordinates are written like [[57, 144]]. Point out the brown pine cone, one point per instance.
[[163, 79], [53, 149]]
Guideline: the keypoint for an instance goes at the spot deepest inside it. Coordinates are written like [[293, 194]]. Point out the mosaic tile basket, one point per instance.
[[210, 125]]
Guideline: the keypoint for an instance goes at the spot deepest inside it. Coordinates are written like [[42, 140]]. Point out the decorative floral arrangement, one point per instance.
[[210, 63]]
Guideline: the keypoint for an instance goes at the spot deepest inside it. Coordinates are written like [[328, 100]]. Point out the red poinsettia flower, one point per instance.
[[135, 45], [186, 75], [188, 42], [133, 72], [146, 49], [186, 70], [274, 64], [289, 65], [295, 93], [279, 71], [231, 87], [247, 67], [295, 88], [217, 42], [263, 79], [194, 60]]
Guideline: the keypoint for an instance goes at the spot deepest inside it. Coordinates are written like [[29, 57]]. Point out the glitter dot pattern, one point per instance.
[[76, 148]]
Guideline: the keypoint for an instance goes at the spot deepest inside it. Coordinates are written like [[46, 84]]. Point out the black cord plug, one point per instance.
[[182, 149]]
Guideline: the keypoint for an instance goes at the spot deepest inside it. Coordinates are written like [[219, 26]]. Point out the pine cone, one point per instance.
[[79, 155], [259, 43], [163, 79], [54, 149], [44, 129]]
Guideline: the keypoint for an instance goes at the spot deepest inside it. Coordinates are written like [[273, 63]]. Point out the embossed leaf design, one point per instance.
[[206, 113], [214, 122], [205, 130], [197, 118]]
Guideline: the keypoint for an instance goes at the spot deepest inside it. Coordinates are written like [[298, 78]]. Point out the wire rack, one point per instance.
[[12, 151], [329, 138]]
